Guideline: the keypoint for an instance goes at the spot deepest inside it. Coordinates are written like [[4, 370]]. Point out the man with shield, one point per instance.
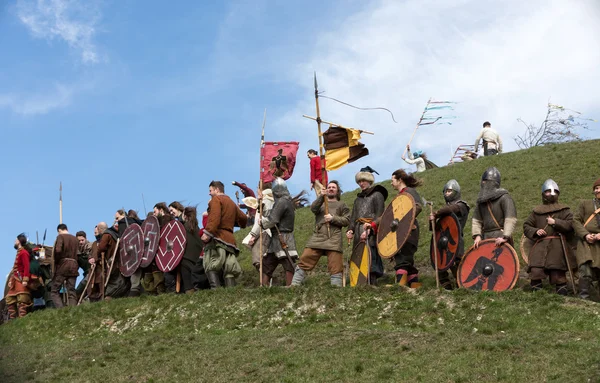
[[282, 247], [587, 229], [220, 249], [368, 207], [456, 211], [549, 225], [404, 254], [326, 239], [495, 215]]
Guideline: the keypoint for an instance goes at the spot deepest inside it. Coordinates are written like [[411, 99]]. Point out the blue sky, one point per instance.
[[120, 98]]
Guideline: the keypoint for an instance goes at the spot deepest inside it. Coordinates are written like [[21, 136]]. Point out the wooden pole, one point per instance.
[[90, 275], [321, 154], [60, 204], [260, 209], [112, 262], [435, 250], [417, 126], [334, 124], [564, 247]]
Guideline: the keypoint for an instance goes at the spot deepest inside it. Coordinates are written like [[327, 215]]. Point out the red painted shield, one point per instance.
[[131, 250], [151, 230], [489, 267], [171, 246], [448, 237]]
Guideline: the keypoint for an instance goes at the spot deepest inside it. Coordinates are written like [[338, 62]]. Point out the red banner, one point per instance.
[[277, 159]]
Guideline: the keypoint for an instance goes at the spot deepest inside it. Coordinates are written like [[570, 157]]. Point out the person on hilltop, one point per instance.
[[316, 171], [406, 272], [84, 250], [368, 207], [282, 246], [419, 159], [220, 249], [18, 298], [492, 143], [495, 214], [454, 205], [586, 223], [545, 226], [326, 239], [65, 267]]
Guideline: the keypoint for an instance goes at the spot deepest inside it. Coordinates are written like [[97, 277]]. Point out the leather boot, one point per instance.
[[402, 277], [562, 290], [230, 282], [536, 284], [213, 279], [584, 287], [413, 281]]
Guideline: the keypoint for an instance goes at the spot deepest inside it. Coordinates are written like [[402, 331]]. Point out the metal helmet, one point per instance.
[[491, 174], [455, 187], [549, 184], [279, 188]]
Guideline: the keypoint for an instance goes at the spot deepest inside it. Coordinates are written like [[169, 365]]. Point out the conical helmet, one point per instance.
[[455, 187], [491, 174]]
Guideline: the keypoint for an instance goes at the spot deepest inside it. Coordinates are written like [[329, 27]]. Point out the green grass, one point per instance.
[[318, 333]]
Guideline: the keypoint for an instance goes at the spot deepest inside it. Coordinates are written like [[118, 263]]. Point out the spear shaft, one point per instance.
[[260, 209]]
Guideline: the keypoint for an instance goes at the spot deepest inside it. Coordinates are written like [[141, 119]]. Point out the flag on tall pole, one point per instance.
[[342, 147], [428, 119]]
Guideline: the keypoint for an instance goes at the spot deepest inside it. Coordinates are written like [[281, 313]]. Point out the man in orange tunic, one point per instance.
[[220, 251], [18, 298]]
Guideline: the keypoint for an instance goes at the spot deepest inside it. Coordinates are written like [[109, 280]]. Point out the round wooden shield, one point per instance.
[[396, 224], [151, 230], [171, 246], [360, 264], [448, 237], [525, 247], [131, 249], [489, 267]]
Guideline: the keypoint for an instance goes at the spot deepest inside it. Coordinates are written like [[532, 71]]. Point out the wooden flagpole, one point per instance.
[[417, 126], [260, 209], [321, 154], [335, 125]]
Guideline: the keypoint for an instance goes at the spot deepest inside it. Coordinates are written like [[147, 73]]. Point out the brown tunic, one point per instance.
[[223, 216], [547, 252], [322, 239], [65, 255], [108, 245], [585, 251], [500, 222]]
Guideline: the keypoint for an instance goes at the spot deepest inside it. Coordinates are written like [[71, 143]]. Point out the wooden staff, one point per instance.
[[90, 276], [103, 275], [321, 154], [334, 124], [65, 294], [417, 127], [435, 250], [564, 247], [112, 262], [260, 209]]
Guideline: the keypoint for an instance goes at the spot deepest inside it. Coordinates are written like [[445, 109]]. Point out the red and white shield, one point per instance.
[[151, 230], [171, 246], [131, 249]]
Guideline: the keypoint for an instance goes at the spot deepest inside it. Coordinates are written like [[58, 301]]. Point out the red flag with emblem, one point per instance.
[[277, 159]]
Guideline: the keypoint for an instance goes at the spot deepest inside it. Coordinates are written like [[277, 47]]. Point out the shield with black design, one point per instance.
[[171, 246], [360, 264], [131, 250], [489, 267], [448, 237], [151, 230], [525, 247], [395, 225]]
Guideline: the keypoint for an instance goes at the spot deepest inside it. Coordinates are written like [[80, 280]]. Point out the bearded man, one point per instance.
[[495, 215], [84, 251], [326, 239]]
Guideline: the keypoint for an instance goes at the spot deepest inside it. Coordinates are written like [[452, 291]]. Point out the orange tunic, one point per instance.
[[223, 215]]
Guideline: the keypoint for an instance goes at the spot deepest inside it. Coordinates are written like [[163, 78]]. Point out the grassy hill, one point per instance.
[[319, 333]]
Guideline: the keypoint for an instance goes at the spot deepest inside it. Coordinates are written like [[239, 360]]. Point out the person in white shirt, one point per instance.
[[417, 158], [492, 143]]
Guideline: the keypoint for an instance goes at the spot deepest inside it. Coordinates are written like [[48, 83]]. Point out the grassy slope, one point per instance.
[[323, 334]]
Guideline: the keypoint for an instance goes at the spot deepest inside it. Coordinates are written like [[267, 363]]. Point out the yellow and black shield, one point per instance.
[[360, 264], [395, 225]]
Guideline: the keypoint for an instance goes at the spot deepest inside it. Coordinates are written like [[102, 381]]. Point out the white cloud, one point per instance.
[[69, 20], [40, 103], [500, 59]]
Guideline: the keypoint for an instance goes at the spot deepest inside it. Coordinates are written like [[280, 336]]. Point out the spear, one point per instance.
[[60, 203], [323, 174], [260, 209], [144, 202], [417, 126]]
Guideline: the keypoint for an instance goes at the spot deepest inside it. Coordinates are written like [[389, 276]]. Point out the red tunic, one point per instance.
[[19, 274], [315, 170]]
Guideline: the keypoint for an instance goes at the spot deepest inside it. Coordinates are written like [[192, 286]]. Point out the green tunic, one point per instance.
[[322, 238]]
